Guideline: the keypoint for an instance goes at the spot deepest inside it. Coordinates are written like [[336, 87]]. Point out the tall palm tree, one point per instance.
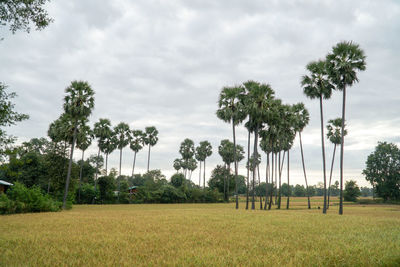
[[151, 139], [260, 97], [318, 85], [334, 128], [187, 151], [206, 149], [177, 165], [346, 59], [102, 130], [199, 157], [230, 109], [83, 141], [136, 144], [122, 133], [108, 146], [303, 118], [78, 105]]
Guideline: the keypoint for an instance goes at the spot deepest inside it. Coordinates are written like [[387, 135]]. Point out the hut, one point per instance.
[[4, 186], [132, 190]]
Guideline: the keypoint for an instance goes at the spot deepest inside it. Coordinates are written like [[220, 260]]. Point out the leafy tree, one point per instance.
[[177, 165], [343, 63], [122, 134], [83, 141], [151, 139], [102, 131], [351, 191], [20, 14], [177, 180], [136, 144], [106, 188], [108, 145], [333, 134], [206, 151], [383, 171], [299, 191], [8, 117], [218, 180], [318, 85], [78, 105], [231, 110], [187, 151]]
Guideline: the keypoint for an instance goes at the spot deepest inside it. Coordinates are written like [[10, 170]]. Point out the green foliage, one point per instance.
[[383, 171], [20, 199], [177, 180], [217, 179], [334, 133], [107, 186], [87, 194], [351, 191], [151, 138]]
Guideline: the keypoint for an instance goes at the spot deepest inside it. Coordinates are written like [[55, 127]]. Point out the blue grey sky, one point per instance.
[[163, 63]]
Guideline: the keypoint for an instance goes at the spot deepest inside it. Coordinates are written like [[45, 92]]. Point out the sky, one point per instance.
[[164, 63]]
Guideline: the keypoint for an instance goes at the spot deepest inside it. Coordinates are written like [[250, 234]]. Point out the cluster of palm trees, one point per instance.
[[190, 156], [72, 128], [277, 124]]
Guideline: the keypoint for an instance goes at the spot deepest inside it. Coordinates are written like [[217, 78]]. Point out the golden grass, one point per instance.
[[202, 235]]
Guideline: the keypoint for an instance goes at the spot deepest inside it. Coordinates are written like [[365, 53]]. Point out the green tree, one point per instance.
[[318, 85], [231, 110], [78, 105], [187, 151], [108, 145], [151, 139], [351, 191], [206, 150], [102, 131], [177, 165], [83, 141], [122, 133], [346, 59], [383, 171], [334, 128], [136, 144]]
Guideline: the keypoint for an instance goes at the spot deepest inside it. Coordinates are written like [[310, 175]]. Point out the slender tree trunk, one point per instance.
[[95, 177], [330, 175], [276, 178], [54, 152], [304, 170], [287, 204], [323, 152], [134, 162], [106, 164], [80, 178], [254, 167], [259, 185], [225, 184], [248, 171], [228, 181], [70, 166], [236, 166], [119, 178], [148, 159], [204, 175], [266, 181], [280, 174], [272, 181], [200, 174], [342, 151]]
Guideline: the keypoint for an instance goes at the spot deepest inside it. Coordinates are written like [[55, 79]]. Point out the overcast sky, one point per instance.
[[163, 63]]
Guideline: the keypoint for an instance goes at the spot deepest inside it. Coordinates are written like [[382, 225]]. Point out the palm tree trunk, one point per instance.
[[148, 159], [225, 184], [304, 170], [70, 166], [276, 177], [272, 181], [330, 175], [323, 152], [54, 152], [280, 173], [134, 162], [341, 152], [106, 163], [228, 180], [119, 178], [200, 174], [266, 182], [259, 185], [97, 170], [236, 166], [248, 171], [288, 197], [80, 178], [204, 175], [254, 167]]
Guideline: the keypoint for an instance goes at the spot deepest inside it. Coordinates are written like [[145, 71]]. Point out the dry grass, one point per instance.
[[202, 235]]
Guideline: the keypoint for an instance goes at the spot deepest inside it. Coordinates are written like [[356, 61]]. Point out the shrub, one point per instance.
[[20, 199]]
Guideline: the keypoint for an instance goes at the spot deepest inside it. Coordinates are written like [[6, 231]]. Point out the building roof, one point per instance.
[[2, 182], [132, 187]]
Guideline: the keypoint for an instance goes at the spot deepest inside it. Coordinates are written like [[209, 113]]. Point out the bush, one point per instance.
[[20, 199], [351, 191]]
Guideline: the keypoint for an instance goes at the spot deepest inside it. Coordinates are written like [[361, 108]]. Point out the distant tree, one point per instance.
[[206, 150], [318, 85], [218, 179], [299, 191], [20, 14], [102, 131], [78, 105], [187, 151], [351, 191], [383, 171], [122, 133], [136, 144], [177, 180], [83, 141], [343, 63], [151, 139], [177, 165]]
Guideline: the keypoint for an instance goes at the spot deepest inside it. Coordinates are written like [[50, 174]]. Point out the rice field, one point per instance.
[[203, 235]]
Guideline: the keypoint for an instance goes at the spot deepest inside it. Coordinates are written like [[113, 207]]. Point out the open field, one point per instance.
[[203, 235]]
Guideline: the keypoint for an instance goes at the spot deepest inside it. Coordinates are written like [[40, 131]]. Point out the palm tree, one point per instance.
[[108, 146], [83, 141], [334, 128], [122, 133], [259, 101], [187, 151], [136, 144], [343, 63], [151, 139], [199, 157], [206, 149], [318, 85], [78, 105], [102, 131], [191, 166], [230, 109], [303, 117], [177, 165]]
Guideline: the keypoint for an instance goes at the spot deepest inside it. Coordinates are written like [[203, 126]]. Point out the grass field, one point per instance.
[[203, 235]]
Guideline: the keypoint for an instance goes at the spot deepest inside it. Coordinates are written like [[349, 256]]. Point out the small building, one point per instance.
[[4, 186], [132, 190]]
